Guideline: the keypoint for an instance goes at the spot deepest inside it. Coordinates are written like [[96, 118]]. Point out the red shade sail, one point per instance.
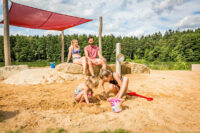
[[29, 17]]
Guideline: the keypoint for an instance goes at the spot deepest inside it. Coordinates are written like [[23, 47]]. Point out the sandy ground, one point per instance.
[[175, 108]]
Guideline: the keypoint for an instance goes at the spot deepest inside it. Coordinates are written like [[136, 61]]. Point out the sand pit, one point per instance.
[[175, 108]]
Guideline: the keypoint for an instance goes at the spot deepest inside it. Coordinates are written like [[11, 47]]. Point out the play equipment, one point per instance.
[[135, 94], [120, 57], [52, 65], [116, 104]]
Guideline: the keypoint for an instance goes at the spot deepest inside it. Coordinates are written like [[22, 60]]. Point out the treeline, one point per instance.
[[172, 46]]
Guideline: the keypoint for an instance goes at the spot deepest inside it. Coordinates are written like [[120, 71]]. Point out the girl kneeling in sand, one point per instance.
[[82, 91], [118, 85], [74, 51]]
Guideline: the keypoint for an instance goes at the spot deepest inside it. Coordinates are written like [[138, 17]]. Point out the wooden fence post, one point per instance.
[[62, 49], [118, 65], [7, 57]]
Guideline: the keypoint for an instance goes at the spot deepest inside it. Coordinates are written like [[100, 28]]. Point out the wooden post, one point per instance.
[[118, 65], [6, 34], [100, 33], [62, 49]]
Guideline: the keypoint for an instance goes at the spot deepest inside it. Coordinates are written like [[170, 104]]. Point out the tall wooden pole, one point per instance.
[[62, 50], [100, 33], [118, 65], [6, 34]]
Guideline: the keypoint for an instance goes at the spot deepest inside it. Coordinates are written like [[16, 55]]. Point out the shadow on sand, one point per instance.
[[4, 115]]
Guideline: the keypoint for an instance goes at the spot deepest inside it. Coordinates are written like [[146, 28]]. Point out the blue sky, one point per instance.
[[120, 17]]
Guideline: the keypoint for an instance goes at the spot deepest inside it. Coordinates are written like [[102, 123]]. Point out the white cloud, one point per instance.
[[137, 33], [1, 31], [189, 22], [166, 5], [52, 32], [89, 12], [120, 17], [1, 17], [18, 33], [80, 31]]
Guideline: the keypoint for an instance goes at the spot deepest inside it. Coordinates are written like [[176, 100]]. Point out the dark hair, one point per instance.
[[90, 37]]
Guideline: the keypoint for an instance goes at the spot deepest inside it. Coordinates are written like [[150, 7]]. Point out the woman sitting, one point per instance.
[[74, 51]]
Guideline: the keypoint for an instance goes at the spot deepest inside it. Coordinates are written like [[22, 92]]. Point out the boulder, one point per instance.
[[69, 68], [128, 68], [134, 68], [6, 71], [72, 68], [40, 76]]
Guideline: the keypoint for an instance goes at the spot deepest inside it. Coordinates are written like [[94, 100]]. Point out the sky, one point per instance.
[[120, 17]]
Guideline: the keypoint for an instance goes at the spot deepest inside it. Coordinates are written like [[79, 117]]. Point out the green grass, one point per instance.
[[17, 131], [57, 130], [31, 64], [155, 65], [61, 130], [109, 131]]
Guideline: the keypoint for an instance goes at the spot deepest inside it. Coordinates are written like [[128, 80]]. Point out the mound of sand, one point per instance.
[[7, 71], [40, 76], [20, 75]]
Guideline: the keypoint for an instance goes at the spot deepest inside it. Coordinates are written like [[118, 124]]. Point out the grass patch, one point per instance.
[[157, 65], [57, 130], [31, 64], [17, 131], [109, 131]]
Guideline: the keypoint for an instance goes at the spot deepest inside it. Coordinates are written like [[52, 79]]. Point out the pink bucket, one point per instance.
[[116, 104]]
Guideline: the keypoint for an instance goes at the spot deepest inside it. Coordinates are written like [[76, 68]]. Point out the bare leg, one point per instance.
[[113, 89], [91, 68], [104, 64], [82, 99], [79, 96], [124, 87], [84, 63]]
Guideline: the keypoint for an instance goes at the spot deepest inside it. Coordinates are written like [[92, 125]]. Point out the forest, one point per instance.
[[171, 46]]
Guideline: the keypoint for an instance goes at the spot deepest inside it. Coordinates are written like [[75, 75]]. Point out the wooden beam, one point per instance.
[[62, 49], [7, 58], [100, 34]]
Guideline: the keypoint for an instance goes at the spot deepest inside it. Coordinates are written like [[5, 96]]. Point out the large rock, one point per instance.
[[69, 68], [72, 68], [6, 71], [135, 67], [128, 68], [40, 76]]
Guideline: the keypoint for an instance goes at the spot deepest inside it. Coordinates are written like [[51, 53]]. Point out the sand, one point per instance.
[[175, 108], [36, 76]]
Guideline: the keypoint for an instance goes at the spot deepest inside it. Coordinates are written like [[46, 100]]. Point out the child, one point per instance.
[[74, 51], [82, 91], [118, 85]]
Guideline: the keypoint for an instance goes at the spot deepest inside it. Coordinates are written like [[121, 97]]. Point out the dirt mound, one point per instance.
[[6, 71], [40, 76]]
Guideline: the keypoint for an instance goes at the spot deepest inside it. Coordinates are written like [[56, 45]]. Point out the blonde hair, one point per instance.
[[73, 41], [104, 73], [91, 81]]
